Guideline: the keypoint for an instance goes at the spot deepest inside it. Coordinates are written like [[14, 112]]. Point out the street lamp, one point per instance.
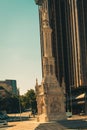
[[19, 103]]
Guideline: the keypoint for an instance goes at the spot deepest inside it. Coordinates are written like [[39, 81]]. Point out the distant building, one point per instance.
[[13, 84], [8, 87], [5, 89]]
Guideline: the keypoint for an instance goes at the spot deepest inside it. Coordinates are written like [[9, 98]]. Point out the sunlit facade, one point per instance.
[[8, 86]]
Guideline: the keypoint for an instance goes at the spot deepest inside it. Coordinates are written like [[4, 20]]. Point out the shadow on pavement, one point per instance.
[[74, 124], [64, 125], [6, 126], [50, 126], [17, 118]]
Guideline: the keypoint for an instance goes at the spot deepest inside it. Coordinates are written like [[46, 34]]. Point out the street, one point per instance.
[[76, 122]]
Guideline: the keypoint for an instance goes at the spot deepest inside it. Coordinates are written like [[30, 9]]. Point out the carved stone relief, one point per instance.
[[55, 105]]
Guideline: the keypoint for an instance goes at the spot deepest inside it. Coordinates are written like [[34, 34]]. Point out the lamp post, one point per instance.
[[19, 103]]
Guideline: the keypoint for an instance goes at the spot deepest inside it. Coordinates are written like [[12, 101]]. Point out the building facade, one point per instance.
[[8, 87], [5, 89], [68, 19], [13, 84]]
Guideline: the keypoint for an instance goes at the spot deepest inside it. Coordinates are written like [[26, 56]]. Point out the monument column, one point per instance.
[[50, 96]]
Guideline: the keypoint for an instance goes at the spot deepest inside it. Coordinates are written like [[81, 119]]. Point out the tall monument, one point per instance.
[[50, 96]]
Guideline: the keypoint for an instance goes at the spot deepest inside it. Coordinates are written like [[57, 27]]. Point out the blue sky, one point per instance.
[[20, 57]]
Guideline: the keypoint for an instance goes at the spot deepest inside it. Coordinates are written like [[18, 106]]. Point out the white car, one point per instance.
[[3, 123], [69, 114]]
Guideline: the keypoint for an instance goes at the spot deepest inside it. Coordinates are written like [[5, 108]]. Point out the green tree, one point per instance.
[[23, 101], [10, 104], [13, 103], [28, 100]]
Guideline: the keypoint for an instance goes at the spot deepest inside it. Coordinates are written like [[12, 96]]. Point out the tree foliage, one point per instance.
[[28, 100], [13, 103], [9, 104]]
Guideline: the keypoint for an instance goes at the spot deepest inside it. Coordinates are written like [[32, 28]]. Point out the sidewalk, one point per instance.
[[34, 125], [60, 125], [23, 125], [74, 123]]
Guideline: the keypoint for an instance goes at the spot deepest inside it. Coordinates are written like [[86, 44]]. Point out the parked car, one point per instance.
[[68, 114], [3, 123], [3, 116]]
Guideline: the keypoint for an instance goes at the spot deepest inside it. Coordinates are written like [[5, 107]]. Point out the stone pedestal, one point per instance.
[[50, 101]]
